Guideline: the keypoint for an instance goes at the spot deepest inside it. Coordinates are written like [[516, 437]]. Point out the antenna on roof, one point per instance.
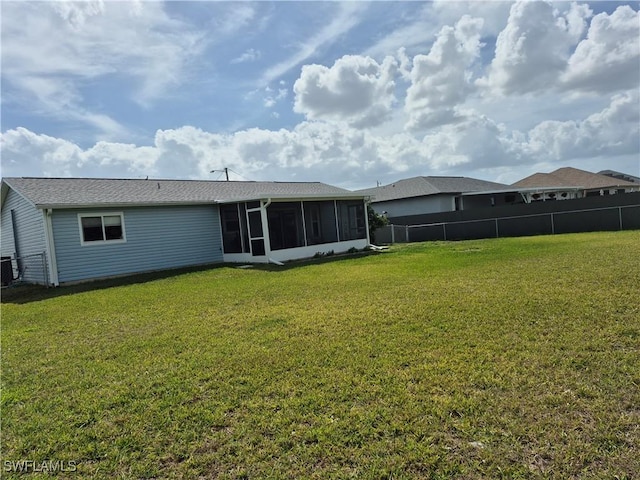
[[226, 172]]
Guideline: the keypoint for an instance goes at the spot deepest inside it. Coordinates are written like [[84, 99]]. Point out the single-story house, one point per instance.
[[620, 176], [411, 197], [567, 183], [86, 228]]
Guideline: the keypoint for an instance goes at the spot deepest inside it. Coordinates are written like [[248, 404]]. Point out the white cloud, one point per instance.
[[340, 155], [533, 49], [76, 13], [476, 142], [232, 17], [24, 151], [441, 80], [27, 153], [355, 132], [356, 90], [273, 98], [494, 14], [613, 131], [346, 18], [404, 64], [250, 55], [609, 58], [58, 48], [413, 32]]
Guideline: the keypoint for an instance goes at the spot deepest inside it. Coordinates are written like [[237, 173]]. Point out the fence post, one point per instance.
[[406, 234], [497, 233], [620, 217], [393, 234], [553, 228], [45, 270], [444, 230]]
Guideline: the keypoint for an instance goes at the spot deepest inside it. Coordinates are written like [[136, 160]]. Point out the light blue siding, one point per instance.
[[156, 238], [29, 237]]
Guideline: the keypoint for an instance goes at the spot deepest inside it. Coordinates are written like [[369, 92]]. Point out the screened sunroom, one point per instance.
[[281, 229]]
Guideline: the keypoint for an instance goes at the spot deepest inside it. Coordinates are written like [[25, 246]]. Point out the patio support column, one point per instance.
[[335, 209], [366, 221], [265, 226], [304, 224]]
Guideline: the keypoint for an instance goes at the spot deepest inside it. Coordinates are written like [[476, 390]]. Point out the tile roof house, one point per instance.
[[87, 228], [569, 182], [416, 196]]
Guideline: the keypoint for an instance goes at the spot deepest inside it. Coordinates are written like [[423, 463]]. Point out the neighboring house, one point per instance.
[[568, 182], [416, 196], [95, 228], [620, 176]]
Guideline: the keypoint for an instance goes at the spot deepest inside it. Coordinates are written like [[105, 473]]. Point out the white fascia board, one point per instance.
[[122, 205], [300, 197], [520, 190]]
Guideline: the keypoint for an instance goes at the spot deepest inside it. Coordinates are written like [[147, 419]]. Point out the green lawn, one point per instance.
[[510, 358]]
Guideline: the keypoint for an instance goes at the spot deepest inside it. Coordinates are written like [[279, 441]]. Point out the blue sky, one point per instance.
[[348, 93]]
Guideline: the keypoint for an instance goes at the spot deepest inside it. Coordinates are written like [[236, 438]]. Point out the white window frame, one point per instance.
[[102, 215]]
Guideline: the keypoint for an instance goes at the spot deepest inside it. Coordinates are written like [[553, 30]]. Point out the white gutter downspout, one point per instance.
[[52, 263]]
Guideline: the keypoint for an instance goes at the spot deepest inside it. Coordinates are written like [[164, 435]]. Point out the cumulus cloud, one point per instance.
[[27, 153], [613, 131], [441, 80], [356, 90], [311, 151], [609, 58], [338, 154], [24, 151], [533, 49], [476, 142], [493, 13]]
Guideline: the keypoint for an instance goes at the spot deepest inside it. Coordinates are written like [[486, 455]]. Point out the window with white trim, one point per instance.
[[101, 228]]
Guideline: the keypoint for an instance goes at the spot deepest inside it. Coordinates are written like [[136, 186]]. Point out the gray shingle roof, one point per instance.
[[620, 176], [70, 192], [422, 186]]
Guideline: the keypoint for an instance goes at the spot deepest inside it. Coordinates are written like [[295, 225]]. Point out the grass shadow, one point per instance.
[[338, 257], [26, 293]]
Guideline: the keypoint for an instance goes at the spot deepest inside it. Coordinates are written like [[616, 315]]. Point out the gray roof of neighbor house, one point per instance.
[[422, 186], [571, 177], [620, 176], [73, 192]]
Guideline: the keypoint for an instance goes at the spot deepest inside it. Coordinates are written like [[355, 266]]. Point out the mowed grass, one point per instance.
[[510, 358]]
